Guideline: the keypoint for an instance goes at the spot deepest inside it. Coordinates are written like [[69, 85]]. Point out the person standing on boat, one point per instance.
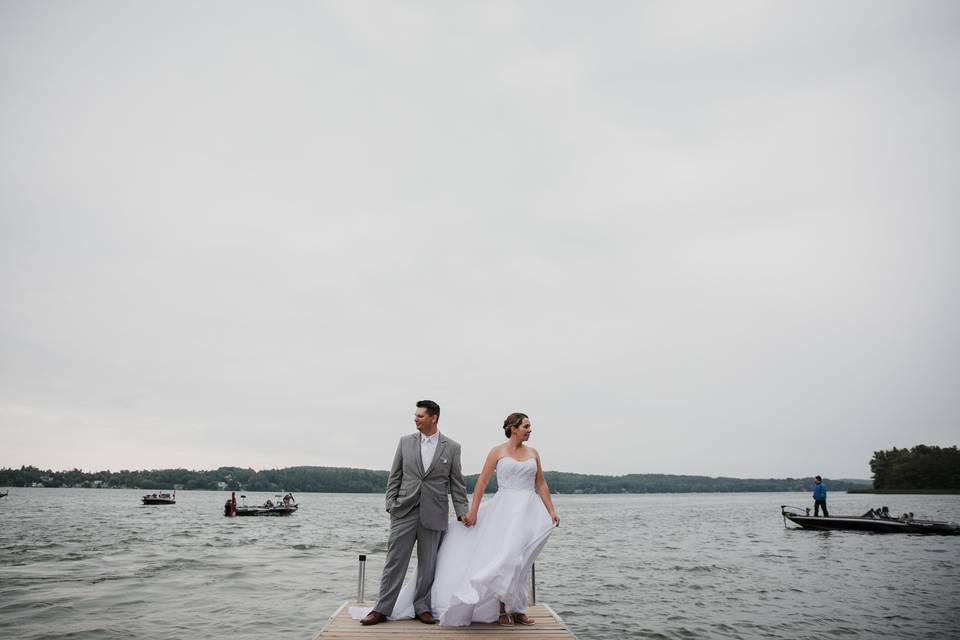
[[425, 469], [820, 497]]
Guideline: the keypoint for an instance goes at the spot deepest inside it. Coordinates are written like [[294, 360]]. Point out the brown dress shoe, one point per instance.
[[374, 617], [426, 618]]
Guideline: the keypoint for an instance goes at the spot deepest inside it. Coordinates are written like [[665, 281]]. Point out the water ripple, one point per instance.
[[96, 564]]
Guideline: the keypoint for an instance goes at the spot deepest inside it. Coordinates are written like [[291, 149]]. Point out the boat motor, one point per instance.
[[230, 506]]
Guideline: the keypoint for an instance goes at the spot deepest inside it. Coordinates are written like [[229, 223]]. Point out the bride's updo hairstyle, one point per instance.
[[513, 421]]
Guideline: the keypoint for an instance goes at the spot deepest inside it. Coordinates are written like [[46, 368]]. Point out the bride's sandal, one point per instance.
[[522, 618], [505, 620]]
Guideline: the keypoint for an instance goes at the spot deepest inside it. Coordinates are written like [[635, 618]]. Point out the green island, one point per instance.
[[920, 469]]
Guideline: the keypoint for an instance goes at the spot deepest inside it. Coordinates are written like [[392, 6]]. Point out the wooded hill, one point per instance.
[[347, 480]]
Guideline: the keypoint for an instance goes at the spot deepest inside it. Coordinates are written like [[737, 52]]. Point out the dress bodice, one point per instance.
[[515, 475]]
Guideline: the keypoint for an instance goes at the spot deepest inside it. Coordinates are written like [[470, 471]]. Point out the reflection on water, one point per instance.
[[97, 564]]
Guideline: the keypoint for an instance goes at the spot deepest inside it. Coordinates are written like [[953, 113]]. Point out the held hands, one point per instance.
[[469, 519]]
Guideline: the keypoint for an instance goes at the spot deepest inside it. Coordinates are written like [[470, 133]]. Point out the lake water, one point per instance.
[[78, 563]]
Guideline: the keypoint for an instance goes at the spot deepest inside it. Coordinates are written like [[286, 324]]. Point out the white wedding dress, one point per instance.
[[480, 566]]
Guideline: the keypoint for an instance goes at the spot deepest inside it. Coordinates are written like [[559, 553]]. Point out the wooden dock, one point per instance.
[[341, 626]]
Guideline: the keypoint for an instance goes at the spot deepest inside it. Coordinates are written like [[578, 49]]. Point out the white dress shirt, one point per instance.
[[428, 446]]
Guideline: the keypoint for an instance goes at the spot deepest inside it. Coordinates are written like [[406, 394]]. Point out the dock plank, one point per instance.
[[340, 626]]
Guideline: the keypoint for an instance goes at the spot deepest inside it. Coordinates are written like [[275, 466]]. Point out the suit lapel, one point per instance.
[[441, 445], [416, 454]]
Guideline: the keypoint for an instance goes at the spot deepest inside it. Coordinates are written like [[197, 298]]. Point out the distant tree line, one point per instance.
[[320, 479], [561, 482], [922, 467], [346, 480]]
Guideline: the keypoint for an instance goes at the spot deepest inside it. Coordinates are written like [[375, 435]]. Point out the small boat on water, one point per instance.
[[874, 520], [284, 506], [160, 498], [4, 494]]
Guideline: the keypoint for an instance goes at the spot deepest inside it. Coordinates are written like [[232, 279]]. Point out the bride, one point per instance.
[[483, 568]]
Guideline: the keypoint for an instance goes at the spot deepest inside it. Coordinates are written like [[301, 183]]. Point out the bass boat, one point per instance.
[[282, 507], [874, 520]]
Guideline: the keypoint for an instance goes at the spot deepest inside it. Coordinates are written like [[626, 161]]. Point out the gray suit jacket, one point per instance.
[[410, 484]]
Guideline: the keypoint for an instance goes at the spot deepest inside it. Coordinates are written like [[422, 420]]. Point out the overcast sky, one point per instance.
[[695, 238]]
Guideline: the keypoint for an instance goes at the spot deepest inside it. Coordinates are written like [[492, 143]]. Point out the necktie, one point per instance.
[[427, 448]]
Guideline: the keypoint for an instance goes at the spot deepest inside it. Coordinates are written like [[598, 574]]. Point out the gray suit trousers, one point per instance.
[[404, 531]]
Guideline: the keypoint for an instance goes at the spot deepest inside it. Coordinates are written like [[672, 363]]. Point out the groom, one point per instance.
[[425, 468]]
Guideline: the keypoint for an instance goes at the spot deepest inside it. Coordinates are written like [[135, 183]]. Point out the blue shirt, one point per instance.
[[820, 491]]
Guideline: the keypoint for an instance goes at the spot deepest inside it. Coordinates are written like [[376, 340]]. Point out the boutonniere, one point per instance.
[[443, 460]]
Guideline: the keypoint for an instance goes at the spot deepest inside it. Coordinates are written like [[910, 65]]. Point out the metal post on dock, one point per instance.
[[533, 584], [362, 577]]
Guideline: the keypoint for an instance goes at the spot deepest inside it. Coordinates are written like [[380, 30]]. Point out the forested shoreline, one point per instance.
[[921, 468], [350, 480], [918, 469]]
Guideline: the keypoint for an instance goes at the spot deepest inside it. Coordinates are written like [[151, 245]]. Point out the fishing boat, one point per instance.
[[4, 494], [284, 506], [875, 521], [160, 498]]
